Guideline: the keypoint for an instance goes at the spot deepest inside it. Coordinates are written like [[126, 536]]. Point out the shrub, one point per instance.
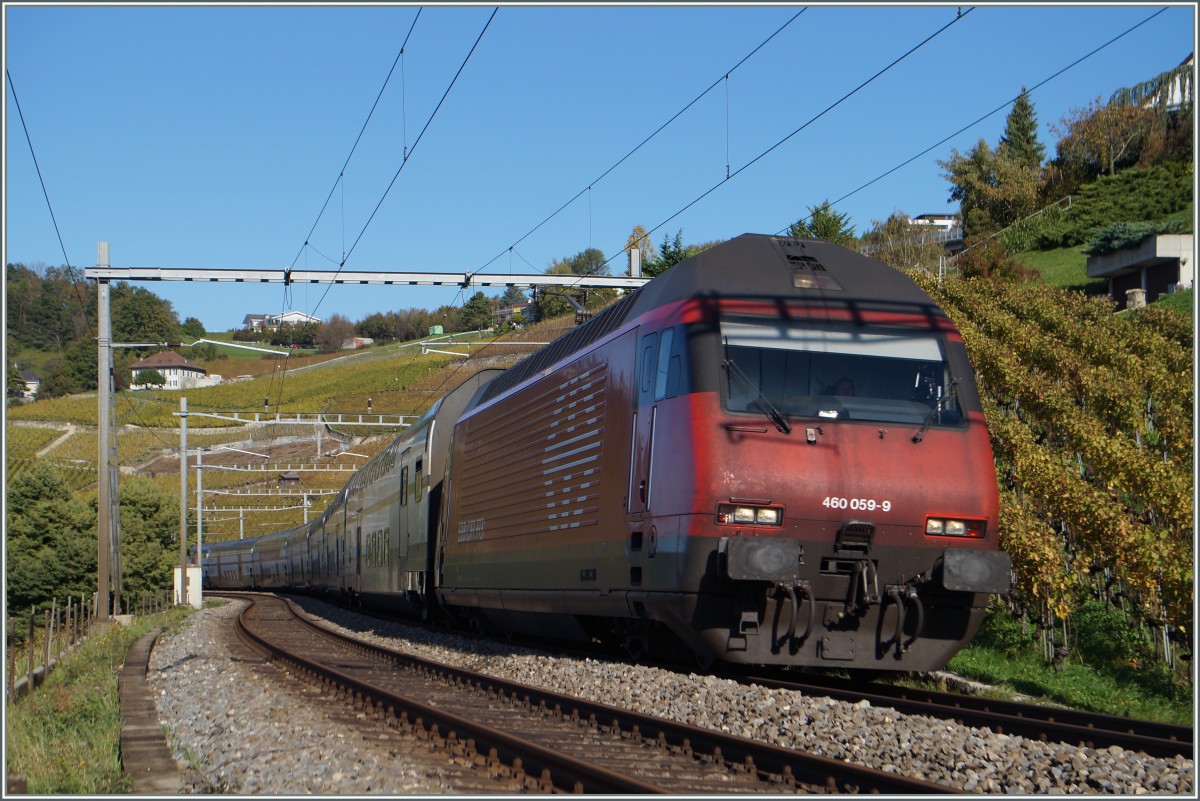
[[1102, 635], [1002, 632]]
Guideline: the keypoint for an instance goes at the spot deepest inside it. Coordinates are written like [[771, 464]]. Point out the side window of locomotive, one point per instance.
[[674, 376], [664, 363], [649, 364], [404, 486], [417, 489]]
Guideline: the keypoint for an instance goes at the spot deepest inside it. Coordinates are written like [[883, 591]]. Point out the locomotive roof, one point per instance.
[[783, 268], [748, 267]]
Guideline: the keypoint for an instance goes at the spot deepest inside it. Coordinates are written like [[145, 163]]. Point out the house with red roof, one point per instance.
[[177, 372]]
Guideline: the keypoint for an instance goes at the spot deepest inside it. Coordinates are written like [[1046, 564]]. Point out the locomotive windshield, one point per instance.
[[800, 369]]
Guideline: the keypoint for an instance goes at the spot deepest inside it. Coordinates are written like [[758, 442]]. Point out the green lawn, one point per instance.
[[1182, 302], [242, 352], [1064, 267]]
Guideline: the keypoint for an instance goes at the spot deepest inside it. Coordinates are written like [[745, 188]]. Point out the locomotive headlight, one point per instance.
[[954, 527], [749, 515], [766, 517]]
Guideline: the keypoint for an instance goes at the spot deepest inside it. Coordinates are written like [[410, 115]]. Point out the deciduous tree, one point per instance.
[[192, 327], [149, 536], [51, 540], [638, 238], [333, 332], [149, 378], [899, 243], [1100, 139]]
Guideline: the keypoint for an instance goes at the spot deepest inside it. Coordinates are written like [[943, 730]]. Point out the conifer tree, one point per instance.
[[1020, 140]]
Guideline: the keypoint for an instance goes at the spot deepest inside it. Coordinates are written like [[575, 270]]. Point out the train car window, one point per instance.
[[404, 486], [418, 489], [881, 374], [664, 363], [674, 376], [649, 353]]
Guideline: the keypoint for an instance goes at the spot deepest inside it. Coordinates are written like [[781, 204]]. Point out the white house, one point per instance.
[[943, 222], [259, 322], [177, 372], [255, 322], [32, 384], [290, 318]]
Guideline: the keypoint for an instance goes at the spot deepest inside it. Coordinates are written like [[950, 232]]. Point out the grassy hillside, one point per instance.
[[1065, 268], [397, 378]]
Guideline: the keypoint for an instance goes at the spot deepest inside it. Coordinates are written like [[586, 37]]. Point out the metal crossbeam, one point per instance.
[[361, 277], [310, 418], [270, 493], [278, 468], [249, 508]]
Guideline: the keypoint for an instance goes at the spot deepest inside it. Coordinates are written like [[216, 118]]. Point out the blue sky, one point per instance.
[[210, 136]]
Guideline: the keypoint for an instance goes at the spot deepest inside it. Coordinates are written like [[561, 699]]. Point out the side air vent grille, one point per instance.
[[594, 329]]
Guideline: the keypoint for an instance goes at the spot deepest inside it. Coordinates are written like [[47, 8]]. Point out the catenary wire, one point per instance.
[[645, 141], [339, 182], [991, 113], [813, 119], [404, 161], [354, 147]]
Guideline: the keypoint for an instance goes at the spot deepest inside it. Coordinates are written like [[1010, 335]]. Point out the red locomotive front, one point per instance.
[[830, 487], [772, 454]]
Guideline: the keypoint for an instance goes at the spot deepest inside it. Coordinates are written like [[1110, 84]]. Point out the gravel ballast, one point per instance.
[[236, 728]]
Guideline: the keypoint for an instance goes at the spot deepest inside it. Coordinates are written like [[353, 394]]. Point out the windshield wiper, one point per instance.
[[765, 405], [936, 410]]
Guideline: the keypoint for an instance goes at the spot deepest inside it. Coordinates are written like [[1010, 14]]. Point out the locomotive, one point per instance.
[[772, 453]]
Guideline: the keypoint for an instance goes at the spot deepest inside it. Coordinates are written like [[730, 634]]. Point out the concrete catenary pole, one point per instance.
[[104, 388], [200, 514], [183, 498]]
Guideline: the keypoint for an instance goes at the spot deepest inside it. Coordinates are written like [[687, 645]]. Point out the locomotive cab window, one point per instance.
[[662, 365], [880, 374]]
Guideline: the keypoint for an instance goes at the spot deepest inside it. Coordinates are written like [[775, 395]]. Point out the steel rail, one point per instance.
[[785, 765], [550, 768], [1034, 721]]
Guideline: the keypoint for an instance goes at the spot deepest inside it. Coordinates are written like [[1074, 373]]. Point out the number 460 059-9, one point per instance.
[[863, 504]]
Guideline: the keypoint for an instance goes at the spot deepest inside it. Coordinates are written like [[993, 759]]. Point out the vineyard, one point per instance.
[[21, 445], [1091, 417]]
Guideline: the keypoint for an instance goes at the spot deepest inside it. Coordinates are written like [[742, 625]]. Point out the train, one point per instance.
[[773, 453]]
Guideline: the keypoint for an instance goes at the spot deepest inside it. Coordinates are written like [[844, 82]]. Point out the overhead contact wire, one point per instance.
[[997, 110], [818, 116], [645, 141], [357, 139], [411, 150]]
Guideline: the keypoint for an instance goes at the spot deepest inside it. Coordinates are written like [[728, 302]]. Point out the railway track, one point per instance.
[[539, 740], [1033, 721]]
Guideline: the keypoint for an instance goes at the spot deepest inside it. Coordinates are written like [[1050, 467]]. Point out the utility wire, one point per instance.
[[724, 77], [405, 159], [49, 205], [818, 116], [339, 182], [342, 172], [993, 112]]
